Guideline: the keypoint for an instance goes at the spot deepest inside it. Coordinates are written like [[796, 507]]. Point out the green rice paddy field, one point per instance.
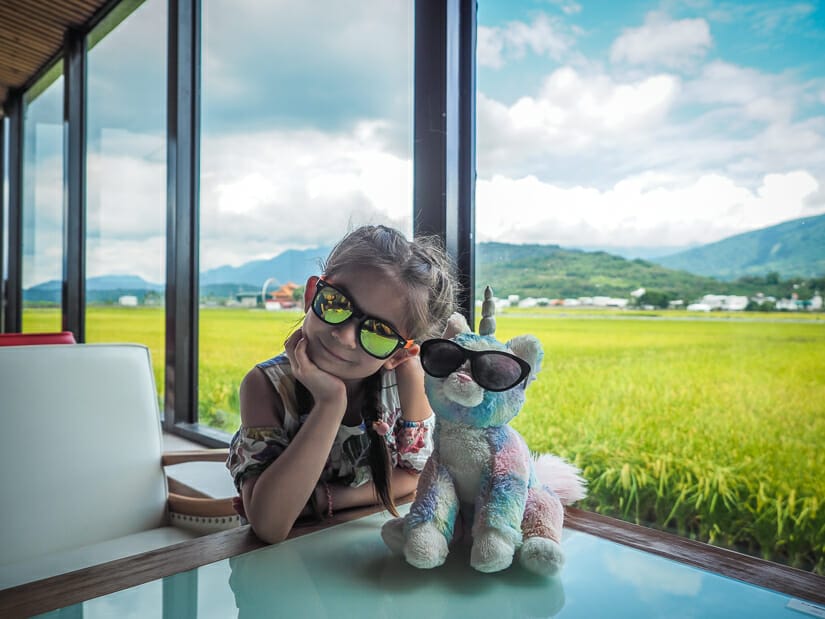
[[713, 427]]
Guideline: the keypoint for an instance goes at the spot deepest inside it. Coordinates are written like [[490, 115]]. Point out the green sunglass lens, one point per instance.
[[333, 307], [378, 339]]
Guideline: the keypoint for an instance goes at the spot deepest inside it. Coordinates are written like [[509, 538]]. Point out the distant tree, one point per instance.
[[772, 278], [765, 306], [656, 298], [298, 294]]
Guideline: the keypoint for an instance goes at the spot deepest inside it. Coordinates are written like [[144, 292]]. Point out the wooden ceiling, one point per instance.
[[31, 35]]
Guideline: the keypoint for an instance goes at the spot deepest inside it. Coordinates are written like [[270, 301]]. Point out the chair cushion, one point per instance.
[[62, 562], [80, 448]]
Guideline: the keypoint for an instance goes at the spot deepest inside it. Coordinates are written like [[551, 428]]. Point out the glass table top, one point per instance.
[[347, 571]]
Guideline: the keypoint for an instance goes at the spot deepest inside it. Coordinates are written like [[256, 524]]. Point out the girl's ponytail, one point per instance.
[[378, 457]]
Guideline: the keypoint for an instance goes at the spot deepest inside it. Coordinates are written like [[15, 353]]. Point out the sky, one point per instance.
[[646, 125], [659, 124]]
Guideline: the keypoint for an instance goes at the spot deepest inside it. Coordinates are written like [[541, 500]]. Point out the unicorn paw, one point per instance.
[[426, 547], [541, 556], [492, 552], [393, 535]]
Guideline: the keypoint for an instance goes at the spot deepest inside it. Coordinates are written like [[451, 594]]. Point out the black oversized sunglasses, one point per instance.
[[494, 370], [377, 337]]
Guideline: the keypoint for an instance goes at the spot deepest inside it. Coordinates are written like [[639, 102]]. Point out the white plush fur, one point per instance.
[[462, 389], [562, 476]]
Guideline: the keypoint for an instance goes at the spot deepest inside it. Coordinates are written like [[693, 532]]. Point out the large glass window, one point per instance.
[[43, 203], [306, 132], [649, 190], [126, 178]]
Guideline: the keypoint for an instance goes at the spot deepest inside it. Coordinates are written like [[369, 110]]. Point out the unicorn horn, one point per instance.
[[487, 326]]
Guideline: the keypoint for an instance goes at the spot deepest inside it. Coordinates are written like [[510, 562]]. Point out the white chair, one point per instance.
[[81, 469]]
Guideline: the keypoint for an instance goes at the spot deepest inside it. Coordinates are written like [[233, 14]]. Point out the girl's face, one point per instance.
[[335, 348]]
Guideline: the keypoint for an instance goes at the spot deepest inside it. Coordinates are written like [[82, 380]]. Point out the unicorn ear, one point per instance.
[[456, 324], [528, 348]]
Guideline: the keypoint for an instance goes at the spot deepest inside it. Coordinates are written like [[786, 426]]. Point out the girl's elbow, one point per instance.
[[269, 532]]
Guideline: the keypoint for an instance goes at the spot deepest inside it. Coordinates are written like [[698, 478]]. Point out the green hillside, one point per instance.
[[792, 249], [555, 273]]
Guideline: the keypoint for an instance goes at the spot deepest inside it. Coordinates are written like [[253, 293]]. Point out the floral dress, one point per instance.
[[252, 450]]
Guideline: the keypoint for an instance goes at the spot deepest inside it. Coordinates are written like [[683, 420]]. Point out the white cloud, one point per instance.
[[145, 257], [568, 7], [542, 37], [663, 42], [489, 47], [767, 20], [571, 113], [653, 578], [264, 193], [647, 209], [362, 51], [757, 95]]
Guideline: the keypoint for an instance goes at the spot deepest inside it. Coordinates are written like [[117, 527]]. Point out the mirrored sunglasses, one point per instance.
[[494, 370], [377, 337]]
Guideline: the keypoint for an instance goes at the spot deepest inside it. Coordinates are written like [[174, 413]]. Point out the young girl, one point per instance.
[[340, 419]]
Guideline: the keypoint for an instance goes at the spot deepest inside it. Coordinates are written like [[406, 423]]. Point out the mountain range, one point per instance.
[[747, 263], [793, 248]]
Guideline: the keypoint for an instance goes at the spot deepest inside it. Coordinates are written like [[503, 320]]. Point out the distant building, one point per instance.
[[726, 302], [127, 300], [282, 298], [248, 299], [698, 307]]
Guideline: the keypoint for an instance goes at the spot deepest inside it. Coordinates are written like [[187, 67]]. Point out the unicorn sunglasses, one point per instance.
[[494, 370], [377, 337]]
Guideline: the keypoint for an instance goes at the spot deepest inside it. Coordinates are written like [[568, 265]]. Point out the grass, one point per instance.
[[711, 426]]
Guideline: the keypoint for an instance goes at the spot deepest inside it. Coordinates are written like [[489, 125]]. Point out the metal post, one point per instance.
[[444, 141], [74, 191], [182, 214]]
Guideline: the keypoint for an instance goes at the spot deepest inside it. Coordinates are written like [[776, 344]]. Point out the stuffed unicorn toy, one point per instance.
[[481, 472]]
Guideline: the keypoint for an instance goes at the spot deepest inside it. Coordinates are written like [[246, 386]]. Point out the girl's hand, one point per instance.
[[324, 387]]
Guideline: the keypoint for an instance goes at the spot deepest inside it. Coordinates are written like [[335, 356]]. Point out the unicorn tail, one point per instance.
[[561, 477]]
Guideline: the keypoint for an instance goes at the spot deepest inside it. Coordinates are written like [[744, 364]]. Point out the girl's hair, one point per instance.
[[428, 274], [421, 265]]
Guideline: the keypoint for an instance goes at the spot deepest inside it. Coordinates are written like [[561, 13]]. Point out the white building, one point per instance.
[[128, 300], [788, 305], [698, 307], [728, 302]]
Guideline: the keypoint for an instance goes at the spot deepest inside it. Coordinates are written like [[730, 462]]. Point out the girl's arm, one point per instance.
[[403, 483], [275, 499], [410, 377]]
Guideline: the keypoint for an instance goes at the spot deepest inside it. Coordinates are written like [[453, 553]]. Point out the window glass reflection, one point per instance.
[[126, 180], [306, 132], [43, 203], [650, 187]]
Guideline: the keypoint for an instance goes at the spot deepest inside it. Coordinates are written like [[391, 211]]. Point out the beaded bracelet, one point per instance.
[[329, 499]]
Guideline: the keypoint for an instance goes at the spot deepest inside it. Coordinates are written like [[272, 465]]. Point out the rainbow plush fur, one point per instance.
[[482, 474]]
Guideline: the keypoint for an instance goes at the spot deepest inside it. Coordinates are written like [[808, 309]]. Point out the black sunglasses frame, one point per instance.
[[473, 355], [360, 317]]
